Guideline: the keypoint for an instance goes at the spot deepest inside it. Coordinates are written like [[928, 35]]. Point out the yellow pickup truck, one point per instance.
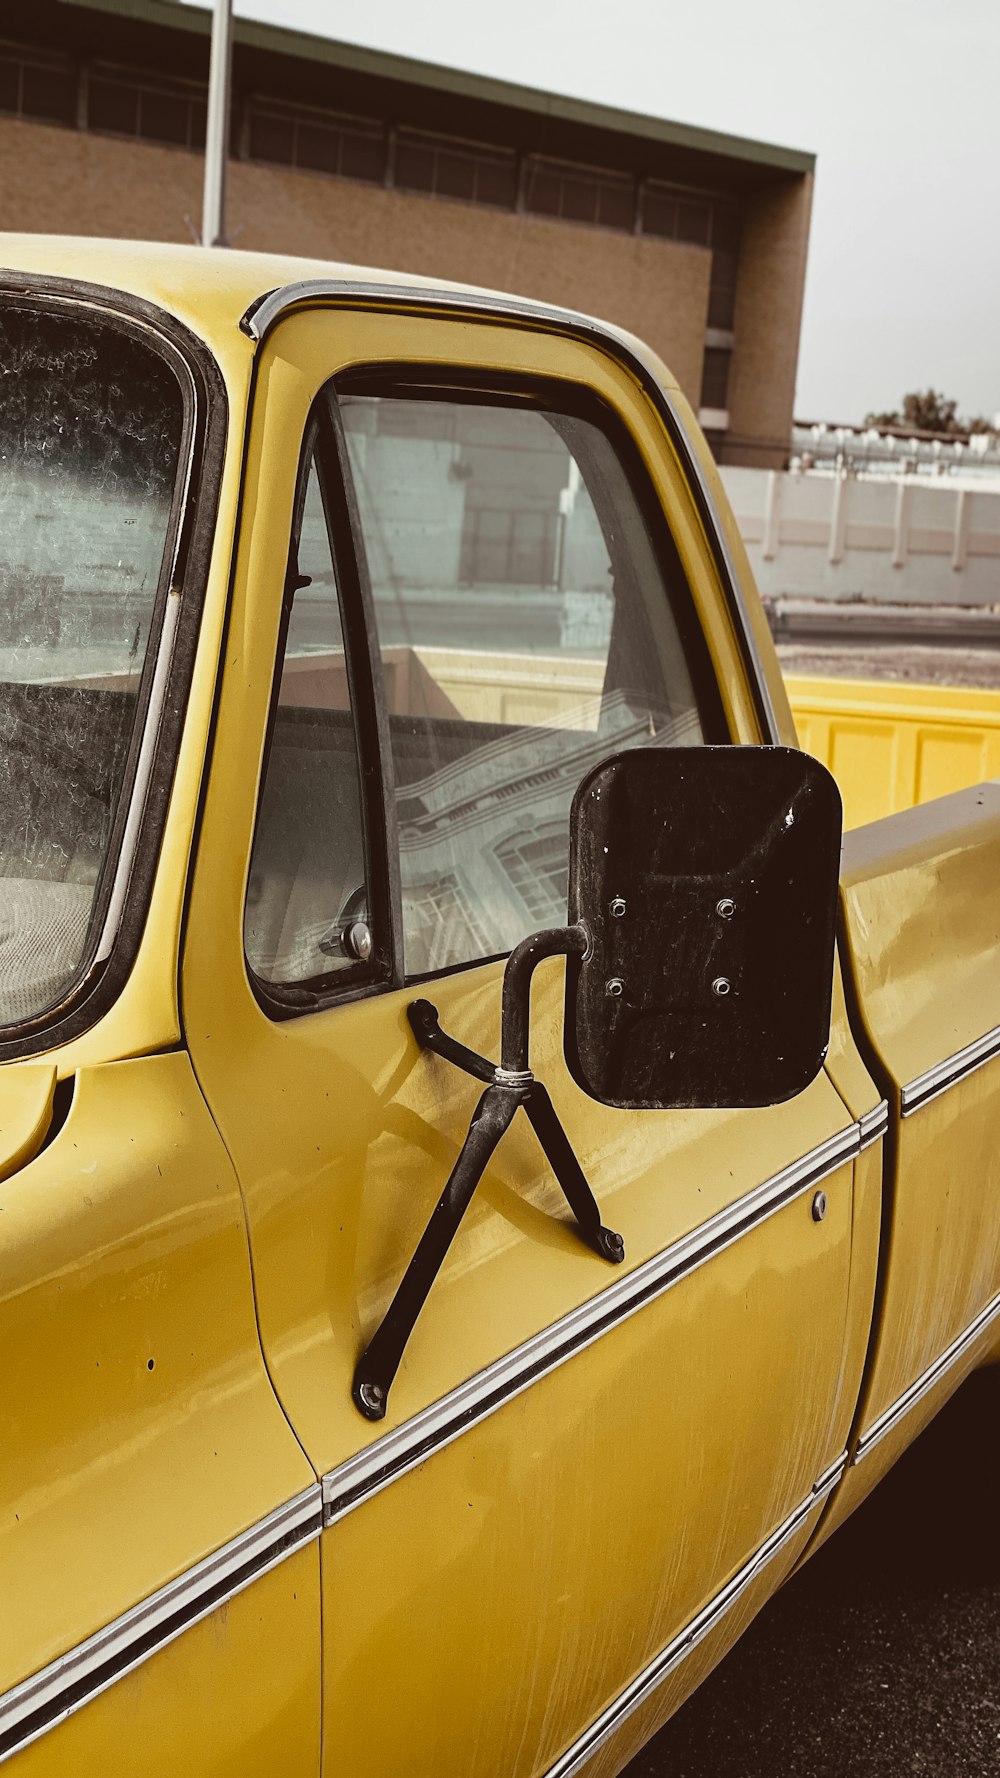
[[392, 743]]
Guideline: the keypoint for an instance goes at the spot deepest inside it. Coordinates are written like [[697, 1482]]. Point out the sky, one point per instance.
[[899, 99]]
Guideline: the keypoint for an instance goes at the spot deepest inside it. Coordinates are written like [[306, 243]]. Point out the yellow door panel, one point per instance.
[[517, 1538], [628, 1729], [567, 1538], [236, 1696], [351, 1132], [140, 1432]]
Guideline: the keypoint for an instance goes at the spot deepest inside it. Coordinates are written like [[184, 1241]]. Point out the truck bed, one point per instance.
[[891, 745]]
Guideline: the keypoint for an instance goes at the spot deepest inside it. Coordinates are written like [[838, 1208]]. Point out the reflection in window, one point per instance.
[[526, 632], [537, 867], [441, 922]]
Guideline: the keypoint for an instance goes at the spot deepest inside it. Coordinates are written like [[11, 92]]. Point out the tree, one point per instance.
[[929, 411]]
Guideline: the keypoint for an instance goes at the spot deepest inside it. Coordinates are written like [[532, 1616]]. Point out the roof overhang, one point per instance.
[[277, 40]]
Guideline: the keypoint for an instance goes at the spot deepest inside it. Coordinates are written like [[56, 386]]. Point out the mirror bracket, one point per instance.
[[509, 1085]]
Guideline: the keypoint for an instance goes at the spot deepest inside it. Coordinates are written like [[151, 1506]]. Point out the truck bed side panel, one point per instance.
[[922, 920]]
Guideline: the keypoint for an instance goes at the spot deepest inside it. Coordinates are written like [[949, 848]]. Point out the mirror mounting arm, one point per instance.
[[509, 1085], [423, 1017], [552, 941]]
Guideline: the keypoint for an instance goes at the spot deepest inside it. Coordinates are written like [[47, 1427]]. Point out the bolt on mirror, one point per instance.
[[706, 878], [699, 972]]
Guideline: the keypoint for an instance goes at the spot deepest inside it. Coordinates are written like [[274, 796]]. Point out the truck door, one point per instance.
[[468, 569]]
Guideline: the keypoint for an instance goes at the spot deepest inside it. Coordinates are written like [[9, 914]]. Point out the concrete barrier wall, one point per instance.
[[907, 540]]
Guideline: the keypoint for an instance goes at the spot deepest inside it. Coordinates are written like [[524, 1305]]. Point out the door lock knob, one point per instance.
[[357, 941]]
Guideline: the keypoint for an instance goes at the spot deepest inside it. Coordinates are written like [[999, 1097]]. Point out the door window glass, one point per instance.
[[308, 884], [527, 630]]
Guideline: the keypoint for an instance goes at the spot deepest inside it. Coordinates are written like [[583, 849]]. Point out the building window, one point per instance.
[[320, 141], [676, 215], [659, 211], [725, 259], [722, 289], [452, 169], [507, 548], [33, 86], [703, 219], [712, 222], [715, 378], [694, 221], [580, 194], [126, 104]]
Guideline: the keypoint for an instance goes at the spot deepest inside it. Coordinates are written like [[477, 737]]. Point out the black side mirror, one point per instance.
[[706, 878], [699, 971]]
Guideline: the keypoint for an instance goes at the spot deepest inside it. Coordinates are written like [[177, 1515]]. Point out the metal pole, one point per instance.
[[213, 220]]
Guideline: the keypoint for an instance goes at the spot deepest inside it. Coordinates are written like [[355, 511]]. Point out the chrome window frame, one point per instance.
[[361, 639], [125, 882], [268, 309]]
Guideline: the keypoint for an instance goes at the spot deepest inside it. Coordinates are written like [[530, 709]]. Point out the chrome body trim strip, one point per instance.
[[268, 309], [262, 315], [38, 1703], [874, 1124], [670, 1658], [948, 1073], [926, 1381], [391, 1456], [832, 1475]]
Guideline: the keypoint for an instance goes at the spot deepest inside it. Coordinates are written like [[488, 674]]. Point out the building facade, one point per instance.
[[693, 240]]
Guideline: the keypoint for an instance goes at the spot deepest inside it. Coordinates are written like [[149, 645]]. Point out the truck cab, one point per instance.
[[330, 600]]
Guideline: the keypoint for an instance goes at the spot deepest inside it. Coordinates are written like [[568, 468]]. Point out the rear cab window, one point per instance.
[[94, 433]]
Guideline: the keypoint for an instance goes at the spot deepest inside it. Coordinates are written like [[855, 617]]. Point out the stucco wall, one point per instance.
[[912, 540]]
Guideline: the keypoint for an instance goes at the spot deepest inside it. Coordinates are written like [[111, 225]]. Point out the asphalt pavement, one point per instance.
[[917, 663], [881, 1657]]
